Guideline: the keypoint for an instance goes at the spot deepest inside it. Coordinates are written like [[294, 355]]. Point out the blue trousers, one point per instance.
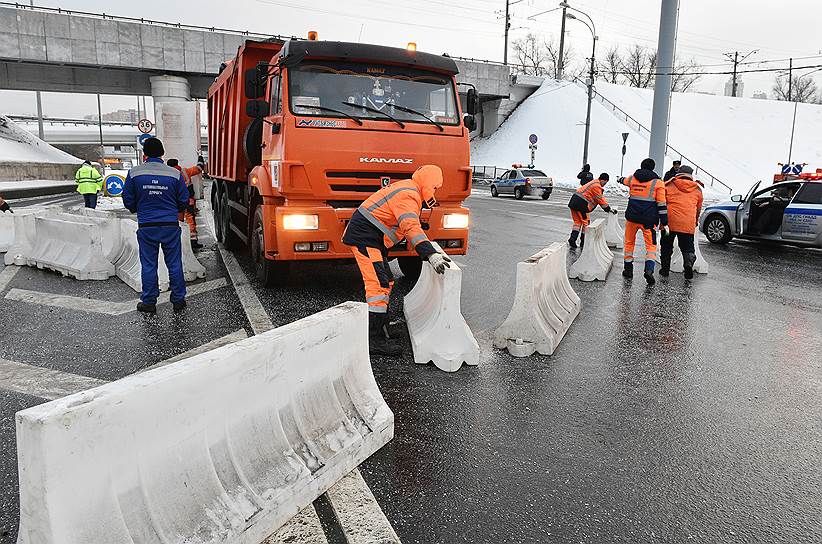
[[150, 239], [91, 200]]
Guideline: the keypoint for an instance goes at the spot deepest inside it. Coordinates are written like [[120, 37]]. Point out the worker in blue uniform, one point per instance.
[[157, 193]]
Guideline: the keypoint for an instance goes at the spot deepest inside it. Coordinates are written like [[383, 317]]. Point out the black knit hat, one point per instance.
[[604, 176], [153, 148], [173, 162], [648, 164]]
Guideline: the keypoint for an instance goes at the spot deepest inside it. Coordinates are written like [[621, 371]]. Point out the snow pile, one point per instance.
[[18, 145], [738, 140], [556, 114]]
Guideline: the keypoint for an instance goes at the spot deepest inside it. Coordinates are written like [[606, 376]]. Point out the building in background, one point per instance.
[[122, 116], [760, 95], [729, 87]]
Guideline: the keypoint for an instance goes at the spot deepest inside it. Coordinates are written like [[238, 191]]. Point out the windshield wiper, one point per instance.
[[375, 110], [409, 110], [323, 108]]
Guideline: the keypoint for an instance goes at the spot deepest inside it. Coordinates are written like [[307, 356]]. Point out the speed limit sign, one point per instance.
[[145, 126]]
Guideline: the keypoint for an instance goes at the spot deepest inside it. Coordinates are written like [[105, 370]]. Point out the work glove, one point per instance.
[[439, 261], [665, 230], [613, 211]]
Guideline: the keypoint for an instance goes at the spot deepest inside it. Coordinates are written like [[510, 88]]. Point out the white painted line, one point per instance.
[[44, 383], [254, 310], [361, 518], [235, 336], [6, 275], [304, 528], [103, 306]]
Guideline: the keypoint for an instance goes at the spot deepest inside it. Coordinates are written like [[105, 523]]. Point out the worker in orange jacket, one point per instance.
[[382, 221], [584, 201], [4, 206], [684, 197], [191, 212], [646, 209]]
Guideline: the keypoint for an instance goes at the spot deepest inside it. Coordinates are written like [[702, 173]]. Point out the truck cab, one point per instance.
[[318, 128]]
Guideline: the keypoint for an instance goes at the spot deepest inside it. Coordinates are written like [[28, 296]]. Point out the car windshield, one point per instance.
[[369, 91], [534, 174]]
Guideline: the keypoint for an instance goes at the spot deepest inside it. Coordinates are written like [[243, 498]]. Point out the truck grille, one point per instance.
[[355, 188], [344, 203], [369, 175]]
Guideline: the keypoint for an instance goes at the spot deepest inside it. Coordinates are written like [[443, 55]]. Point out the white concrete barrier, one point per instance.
[[614, 232], [107, 224], [595, 261], [71, 248], [127, 263], [544, 307], [223, 447], [20, 251], [192, 268], [678, 262], [6, 231], [439, 333]]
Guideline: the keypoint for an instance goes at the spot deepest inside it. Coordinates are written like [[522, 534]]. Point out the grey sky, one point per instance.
[[471, 28]]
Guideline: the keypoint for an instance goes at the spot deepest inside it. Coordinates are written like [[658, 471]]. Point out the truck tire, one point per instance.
[[269, 273], [216, 190], [253, 143], [411, 267], [229, 238]]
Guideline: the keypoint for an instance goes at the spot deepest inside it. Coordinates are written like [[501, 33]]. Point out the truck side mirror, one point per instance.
[[472, 102], [256, 108], [254, 83], [470, 122]]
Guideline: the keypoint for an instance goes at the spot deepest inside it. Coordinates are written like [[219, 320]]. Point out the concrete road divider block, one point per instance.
[[127, 263], [595, 261], [71, 248], [20, 252], [192, 268], [678, 262], [701, 265], [614, 233], [439, 333], [222, 447], [544, 306], [6, 231], [108, 225]]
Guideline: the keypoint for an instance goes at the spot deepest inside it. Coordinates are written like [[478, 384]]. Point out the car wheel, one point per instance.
[[494, 192], [518, 194], [545, 194], [717, 229], [270, 273]]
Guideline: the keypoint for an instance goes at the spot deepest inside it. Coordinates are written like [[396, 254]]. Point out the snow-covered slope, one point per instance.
[[18, 145], [556, 114]]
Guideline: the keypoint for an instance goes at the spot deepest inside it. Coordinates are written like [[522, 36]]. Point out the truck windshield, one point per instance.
[[316, 84]]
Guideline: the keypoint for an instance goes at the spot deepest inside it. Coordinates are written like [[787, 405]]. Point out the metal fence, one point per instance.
[[486, 174]]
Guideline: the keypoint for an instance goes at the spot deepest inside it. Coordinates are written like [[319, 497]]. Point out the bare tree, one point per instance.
[[639, 66], [552, 51], [685, 74], [611, 67], [803, 89], [531, 55]]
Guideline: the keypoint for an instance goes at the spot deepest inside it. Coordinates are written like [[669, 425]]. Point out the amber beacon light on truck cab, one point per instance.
[[302, 132]]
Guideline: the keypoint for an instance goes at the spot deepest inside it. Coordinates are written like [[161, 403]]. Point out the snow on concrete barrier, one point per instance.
[[595, 261], [438, 331], [71, 248], [614, 233], [544, 307], [222, 447], [6, 231]]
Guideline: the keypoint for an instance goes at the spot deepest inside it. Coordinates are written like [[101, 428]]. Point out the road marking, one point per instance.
[[104, 306], [254, 310], [44, 383], [6, 275], [548, 217], [362, 519]]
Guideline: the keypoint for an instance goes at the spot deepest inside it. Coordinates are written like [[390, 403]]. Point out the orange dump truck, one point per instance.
[[301, 132]]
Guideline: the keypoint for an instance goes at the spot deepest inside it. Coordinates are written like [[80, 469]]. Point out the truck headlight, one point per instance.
[[455, 221], [301, 222]]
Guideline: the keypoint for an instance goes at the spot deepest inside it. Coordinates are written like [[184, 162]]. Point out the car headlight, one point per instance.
[[301, 222], [455, 221]]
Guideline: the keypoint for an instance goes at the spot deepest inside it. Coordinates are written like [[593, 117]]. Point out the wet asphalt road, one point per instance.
[[686, 411]]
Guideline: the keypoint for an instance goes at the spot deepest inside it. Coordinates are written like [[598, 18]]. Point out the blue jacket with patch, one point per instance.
[[156, 193]]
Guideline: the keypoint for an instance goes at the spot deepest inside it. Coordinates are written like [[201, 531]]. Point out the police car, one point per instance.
[[789, 212], [520, 182]]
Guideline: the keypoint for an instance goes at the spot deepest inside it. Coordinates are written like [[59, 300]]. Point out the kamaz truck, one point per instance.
[[301, 132]]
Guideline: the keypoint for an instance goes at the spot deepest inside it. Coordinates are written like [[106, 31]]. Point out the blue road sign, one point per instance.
[[532, 138], [113, 184], [143, 137], [797, 169], [786, 168]]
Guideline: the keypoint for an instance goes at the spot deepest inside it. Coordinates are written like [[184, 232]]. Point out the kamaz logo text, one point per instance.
[[385, 160]]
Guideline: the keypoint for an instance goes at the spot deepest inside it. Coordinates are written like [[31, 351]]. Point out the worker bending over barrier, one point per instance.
[[583, 202], [382, 221]]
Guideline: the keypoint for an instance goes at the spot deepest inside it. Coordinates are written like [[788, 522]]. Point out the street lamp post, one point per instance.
[[591, 73]]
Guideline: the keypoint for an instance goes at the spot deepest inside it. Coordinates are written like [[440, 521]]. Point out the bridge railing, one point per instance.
[[486, 174]]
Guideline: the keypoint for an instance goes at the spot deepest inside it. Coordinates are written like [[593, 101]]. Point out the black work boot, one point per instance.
[[179, 306], [572, 241], [649, 272], [628, 271], [582, 239], [195, 245], [4, 207], [689, 260], [147, 308], [378, 343]]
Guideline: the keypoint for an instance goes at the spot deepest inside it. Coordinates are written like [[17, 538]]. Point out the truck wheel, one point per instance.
[[494, 191], [411, 267], [215, 210], [518, 194], [269, 273], [545, 194], [229, 238], [717, 229]]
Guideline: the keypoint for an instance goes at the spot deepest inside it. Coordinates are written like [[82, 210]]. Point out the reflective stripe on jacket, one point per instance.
[[646, 203], [684, 197], [88, 179], [592, 193]]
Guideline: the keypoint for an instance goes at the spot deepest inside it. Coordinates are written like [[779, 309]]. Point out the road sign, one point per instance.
[[786, 168], [797, 169], [145, 126], [113, 185], [532, 138], [143, 137]]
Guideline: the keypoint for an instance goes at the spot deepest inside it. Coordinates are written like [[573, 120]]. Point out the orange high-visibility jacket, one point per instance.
[[684, 197], [394, 213], [593, 194], [646, 203]]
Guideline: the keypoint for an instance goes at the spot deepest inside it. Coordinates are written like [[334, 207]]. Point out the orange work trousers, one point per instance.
[[581, 220], [649, 235], [376, 275]]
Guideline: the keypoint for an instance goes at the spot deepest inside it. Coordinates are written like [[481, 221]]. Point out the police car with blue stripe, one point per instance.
[[788, 212], [523, 181]]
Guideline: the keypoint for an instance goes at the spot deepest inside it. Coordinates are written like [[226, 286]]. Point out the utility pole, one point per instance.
[[100, 124], [734, 57], [40, 131], [790, 78], [668, 20], [561, 61], [507, 26]]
